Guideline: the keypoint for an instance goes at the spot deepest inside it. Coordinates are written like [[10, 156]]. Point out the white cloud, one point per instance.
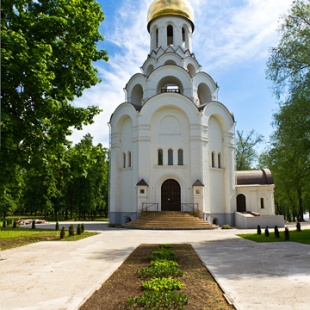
[[227, 33]]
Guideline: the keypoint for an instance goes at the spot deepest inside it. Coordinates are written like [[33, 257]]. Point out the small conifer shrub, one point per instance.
[[14, 224], [71, 230], [4, 223], [57, 226], [276, 232], [33, 226], [266, 231], [286, 234], [62, 233], [259, 231], [82, 228], [78, 229], [298, 226]]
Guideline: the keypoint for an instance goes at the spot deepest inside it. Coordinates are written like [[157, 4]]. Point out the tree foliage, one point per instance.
[[289, 70], [289, 63], [245, 149], [48, 49]]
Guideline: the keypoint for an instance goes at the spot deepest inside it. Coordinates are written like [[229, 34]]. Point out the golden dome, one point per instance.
[[170, 7]]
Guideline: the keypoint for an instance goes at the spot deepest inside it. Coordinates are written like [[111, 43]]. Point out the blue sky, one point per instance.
[[231, 41]]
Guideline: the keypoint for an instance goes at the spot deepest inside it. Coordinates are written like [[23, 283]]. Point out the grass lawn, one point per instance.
[[15, 237], [296, 236]]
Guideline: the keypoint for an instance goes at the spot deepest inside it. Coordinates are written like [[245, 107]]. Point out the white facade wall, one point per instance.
[[192, 121]]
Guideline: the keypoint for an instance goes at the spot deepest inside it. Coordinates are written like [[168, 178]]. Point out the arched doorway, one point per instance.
[[241, 203], [170, 196]]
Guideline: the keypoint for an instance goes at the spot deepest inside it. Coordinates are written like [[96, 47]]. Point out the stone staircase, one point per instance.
[[169, 220]]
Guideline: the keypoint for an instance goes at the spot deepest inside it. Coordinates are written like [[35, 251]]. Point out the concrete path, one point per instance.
[[61, 275]]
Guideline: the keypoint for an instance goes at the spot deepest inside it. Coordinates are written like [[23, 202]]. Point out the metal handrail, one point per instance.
[[192, 206], [141, 210]]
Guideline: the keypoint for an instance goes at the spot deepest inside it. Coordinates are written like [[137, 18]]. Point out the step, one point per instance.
[[172, 220]]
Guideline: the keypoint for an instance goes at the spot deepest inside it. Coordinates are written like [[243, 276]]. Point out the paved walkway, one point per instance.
[[61, 275]]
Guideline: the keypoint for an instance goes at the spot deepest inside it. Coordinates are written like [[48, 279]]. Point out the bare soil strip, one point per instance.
[[202, 290]]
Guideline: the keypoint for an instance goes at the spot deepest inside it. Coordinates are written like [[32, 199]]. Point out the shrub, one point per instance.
[[57, 226], [33, 226], [266, 231], [286, 234], [78, 229], [226, 226], [160, 269], [163, 252], [259, 231], [71, 230], [276, 232], [14, 224], [169, 300], [62, 233], [298, 226], [4, 223], [82, 228], [162, 284]]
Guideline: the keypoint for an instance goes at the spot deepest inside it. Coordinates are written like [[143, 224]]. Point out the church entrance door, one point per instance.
[[170, 196]]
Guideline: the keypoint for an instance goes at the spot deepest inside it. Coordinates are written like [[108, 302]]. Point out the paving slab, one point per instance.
[[62, 275]]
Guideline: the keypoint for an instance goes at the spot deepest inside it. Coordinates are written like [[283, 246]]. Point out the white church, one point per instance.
[[172, 141]]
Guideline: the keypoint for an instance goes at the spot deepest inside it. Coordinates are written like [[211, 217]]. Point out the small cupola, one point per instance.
[[165, 20]]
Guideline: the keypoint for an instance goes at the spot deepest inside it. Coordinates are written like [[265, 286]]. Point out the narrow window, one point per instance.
[[169, 35], [124, 160], [160, 157], [212, 160], [183, 37], [262, 203], [129, 159], [219, 160], [156, 39], [180, 157], [170, 157]]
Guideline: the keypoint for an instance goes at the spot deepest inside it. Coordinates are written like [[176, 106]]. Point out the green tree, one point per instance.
[[48, 49], [289, 63], [245, 149], [288, 69]]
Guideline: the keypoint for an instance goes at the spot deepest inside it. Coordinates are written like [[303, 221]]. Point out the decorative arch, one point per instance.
[[204, 93], [170, 63], [191, 69], [149, 70], [137, 95], [170, 84]]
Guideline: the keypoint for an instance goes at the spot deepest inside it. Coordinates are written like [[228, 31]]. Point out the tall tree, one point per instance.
[[48, 49], [289, 71], [289, 63], [245, 149]]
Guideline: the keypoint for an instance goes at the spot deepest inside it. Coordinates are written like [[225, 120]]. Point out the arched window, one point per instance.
[[170, 157], [219, 160], [129, 159], [180, 157], [124, 160], [169, 35], [183, 37], [160, 157], [212, 160], [262, 203], [156, 39]]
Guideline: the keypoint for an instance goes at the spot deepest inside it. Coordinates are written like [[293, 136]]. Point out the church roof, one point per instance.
[[170, 7], [251, 177]]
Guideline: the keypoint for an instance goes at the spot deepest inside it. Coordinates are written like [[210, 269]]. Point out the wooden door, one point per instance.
[[170, 196]]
